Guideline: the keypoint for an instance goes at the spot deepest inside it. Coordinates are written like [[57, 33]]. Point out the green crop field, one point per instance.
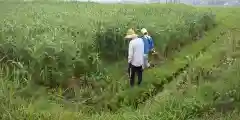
[[67, 61]]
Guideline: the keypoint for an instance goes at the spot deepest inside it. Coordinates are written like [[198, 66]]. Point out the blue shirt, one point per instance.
[[148, 43]]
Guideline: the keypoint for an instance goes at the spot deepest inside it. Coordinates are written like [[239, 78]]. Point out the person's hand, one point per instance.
[[153, 50], [142, 67]]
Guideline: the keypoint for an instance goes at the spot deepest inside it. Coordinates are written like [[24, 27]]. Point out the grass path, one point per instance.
[[210, 61], [155, 78], [171, 103]]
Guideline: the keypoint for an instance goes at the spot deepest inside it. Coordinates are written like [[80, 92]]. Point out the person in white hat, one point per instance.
[[148, 46], [135, 56]]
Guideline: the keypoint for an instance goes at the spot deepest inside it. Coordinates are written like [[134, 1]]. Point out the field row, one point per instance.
[[194, 81], [155, 78], [192, 93], [52, 50], [42, 45], [169, 104], [49, 51]]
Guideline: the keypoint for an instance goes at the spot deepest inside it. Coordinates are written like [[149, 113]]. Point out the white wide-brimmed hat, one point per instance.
[[130, 34]]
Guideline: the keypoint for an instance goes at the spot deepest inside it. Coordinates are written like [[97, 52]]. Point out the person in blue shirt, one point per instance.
[[148, 46]]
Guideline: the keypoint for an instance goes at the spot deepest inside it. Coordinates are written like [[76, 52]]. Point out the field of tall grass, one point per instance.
[[67, 60]]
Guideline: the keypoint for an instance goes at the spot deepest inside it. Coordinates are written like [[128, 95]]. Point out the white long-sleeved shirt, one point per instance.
[[136, 52]]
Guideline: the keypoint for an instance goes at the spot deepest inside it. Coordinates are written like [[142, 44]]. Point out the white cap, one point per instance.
[[143, 30]]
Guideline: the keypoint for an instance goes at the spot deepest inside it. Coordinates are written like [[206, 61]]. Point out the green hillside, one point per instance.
[[63, 60]]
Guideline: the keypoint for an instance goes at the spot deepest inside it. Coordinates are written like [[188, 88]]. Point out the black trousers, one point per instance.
[[132, 70]]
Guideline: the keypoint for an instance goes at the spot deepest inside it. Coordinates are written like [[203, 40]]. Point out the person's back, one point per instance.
[[138, 52], [148, 43], [148, 46]]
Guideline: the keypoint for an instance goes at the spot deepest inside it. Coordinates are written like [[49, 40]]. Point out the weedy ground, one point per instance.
[[62, 60]]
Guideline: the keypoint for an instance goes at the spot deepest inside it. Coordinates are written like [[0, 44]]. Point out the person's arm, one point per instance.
[[130, 52], [151, 43], [143, 55]]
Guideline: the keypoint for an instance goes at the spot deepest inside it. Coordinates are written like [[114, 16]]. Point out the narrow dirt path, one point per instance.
[[156, 78]]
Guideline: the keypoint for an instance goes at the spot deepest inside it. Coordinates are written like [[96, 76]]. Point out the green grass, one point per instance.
[[51, 51], [46, 42], [39, 41], [155, 78]]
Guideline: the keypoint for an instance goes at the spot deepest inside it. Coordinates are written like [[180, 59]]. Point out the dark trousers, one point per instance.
[[132, 70]]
